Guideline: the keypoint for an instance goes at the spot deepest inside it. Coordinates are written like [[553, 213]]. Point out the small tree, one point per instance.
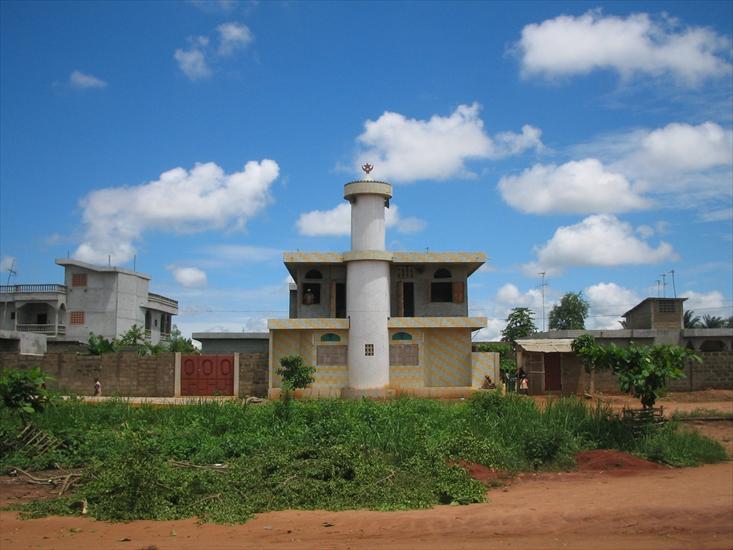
[[295, 373], [570, 313], [133, 337], [178, 343], [642, 371], [24, 391], [519, 323]]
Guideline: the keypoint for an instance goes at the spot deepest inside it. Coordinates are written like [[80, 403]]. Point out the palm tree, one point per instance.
[[712, 321], [691, 320]]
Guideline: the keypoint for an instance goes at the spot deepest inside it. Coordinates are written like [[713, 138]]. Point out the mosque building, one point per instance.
[[376, 323]]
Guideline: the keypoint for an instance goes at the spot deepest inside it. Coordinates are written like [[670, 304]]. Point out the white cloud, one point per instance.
[[719, 215], [193, 60], [190, 277], [600, 240], [196, 61], [583, 187], [406, 149], [233, 36], [83, 81], [608, 301], [179, 200], [705, 303], [337, 221], [637, 44]]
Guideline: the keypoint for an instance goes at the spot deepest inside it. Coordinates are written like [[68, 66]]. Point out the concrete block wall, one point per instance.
[[125, 373], [253, 374]]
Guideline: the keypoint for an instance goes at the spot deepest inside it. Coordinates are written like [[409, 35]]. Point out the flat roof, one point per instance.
[[547, 345], [472, 259], [100, 268], [230, 335]]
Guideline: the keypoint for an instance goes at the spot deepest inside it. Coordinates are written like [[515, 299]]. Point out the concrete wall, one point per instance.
[[423, 276], [253, 374], [233, 345], [125, 374], [331, 274], [97, 301], [26, 343]]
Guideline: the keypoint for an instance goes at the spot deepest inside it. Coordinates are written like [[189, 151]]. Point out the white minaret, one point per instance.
[[367, 288]]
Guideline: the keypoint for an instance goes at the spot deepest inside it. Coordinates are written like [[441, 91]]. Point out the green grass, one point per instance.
[[326, 454]]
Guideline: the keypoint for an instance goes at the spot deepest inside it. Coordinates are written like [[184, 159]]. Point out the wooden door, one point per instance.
[[553, 372]]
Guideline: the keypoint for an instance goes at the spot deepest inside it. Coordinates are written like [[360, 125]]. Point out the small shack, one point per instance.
[[551, 366]]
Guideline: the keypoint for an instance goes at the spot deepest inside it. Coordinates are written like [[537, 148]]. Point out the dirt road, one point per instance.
[[654, 508]]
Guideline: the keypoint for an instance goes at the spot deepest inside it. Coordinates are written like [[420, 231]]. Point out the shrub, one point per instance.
[[24, 391]]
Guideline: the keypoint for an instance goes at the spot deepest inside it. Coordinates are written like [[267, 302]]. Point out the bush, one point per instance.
[[24, 391]]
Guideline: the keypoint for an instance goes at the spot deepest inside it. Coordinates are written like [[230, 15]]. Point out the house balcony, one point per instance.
[[48, 330]]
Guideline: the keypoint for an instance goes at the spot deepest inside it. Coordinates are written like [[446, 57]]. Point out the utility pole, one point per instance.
[[659, 293], [543, 284]]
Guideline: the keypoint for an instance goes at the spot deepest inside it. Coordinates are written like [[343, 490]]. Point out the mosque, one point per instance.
[[376, 323]]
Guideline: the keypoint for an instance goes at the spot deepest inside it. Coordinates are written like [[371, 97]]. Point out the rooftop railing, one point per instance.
[[9, 289], [51, 330]]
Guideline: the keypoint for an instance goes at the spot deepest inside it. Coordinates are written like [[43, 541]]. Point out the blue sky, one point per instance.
[[199, 140]]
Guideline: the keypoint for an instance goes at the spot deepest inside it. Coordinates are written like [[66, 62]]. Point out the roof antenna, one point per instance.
[[11, 270], [658, 291], [674, 286], [543, 284], [109, 260], [134, 262], [664, 285]]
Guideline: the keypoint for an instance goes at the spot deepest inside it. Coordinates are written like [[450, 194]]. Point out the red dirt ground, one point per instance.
[[650, 508]]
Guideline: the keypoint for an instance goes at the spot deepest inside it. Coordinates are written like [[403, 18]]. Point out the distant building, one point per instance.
[[376, 323], [232, 342], [552, 367], [93, 299]]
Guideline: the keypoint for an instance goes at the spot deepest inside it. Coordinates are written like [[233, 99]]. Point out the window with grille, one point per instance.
[[79, 279], [76, 317], [666, 307], [405, 272], [368, 349]]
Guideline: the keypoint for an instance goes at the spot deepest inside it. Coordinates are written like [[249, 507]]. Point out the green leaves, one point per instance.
[[519, 323], [570, 313], [642, 371], [295, 373], [24, 391]]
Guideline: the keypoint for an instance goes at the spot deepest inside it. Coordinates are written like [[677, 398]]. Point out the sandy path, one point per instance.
[[684, 508]]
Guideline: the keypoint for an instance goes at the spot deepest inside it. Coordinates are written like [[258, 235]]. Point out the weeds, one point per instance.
[[145, 462]]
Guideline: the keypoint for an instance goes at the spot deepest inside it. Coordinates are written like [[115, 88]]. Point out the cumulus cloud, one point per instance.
[[83, 81], [599, 240], [196, 61], [637, 44], [407, 149], [337, 221], [233, 36], [608, 301], [189, 277], [705, 303], [193, 60], [583, 187], [180, 200]]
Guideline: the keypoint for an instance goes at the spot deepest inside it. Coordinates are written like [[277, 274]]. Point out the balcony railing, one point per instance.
[[43, 329], [165, 336], [8, 289], [162, 300]]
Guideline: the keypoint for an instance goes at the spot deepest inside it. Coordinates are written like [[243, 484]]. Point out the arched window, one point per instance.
[[314, 274], [442, 273], [330, 337], [402, 336]]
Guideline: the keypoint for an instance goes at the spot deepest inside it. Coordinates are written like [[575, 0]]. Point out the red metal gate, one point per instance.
[[207, 374]]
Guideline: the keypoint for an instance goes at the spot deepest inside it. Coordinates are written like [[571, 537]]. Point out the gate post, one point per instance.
[[177, 375], [235, 389]]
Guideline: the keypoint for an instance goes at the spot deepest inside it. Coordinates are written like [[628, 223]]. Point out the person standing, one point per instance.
[[97, 387]]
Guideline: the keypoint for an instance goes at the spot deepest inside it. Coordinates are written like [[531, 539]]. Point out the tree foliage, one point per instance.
[[24, 391], [519, 323], [178, 343], [713, 321], [691, 320], [507, 362], [642, 371], [570, 313], [295, 373]]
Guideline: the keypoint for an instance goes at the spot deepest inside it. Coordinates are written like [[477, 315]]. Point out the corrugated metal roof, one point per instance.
[[547, 345]]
